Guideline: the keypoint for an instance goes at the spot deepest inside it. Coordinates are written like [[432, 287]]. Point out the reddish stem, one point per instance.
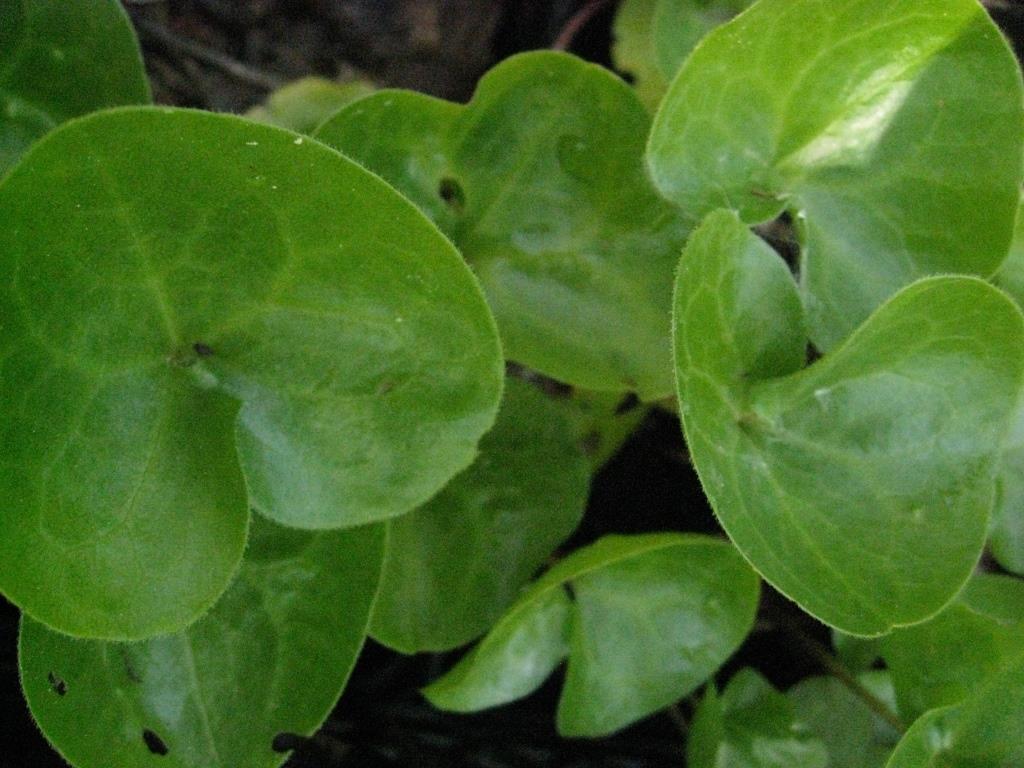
[[578, 21]]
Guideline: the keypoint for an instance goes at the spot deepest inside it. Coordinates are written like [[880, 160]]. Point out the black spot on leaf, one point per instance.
[[154, 743], [57, 685], [452, 193], [629, 403], [201, 349]]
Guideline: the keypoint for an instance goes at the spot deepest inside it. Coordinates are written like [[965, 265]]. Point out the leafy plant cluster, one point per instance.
[[254, 404]]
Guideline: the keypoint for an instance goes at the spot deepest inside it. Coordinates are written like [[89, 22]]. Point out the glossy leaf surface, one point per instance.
[[751, 725], [982, 732], [860, 486], [457, 563], [245, 302], [643, 620], [853, 735], [272, 657], [540, 182], [868, 146], [59, 60], [945, 659]]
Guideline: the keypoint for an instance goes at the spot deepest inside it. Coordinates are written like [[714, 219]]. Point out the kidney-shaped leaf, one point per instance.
[[871, 121], [62, 60], [183, 293], [751, 725], [643, 619], [457, 563], [982, 732], [943, 660], [271, 658], [540, 182], [860, 486]]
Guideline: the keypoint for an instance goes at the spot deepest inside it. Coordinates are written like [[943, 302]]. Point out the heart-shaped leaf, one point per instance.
[[891, 130], [861, 486], [62, 60], [540, 182], [942, 661], [266, 664], [649, 619], [751, 725], [457, 563], [982, 732], [189, 299]]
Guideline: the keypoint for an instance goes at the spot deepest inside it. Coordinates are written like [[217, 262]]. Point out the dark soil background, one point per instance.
[[226, 55]]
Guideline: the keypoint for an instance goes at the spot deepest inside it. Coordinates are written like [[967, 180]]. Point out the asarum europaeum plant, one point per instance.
[[254, 405]]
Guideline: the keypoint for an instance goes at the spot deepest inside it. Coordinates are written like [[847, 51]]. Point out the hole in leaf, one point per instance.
[[57, 685], [154, 743], [629, 403], [452, 193], [287, 742], [201, 349], [780, 234]]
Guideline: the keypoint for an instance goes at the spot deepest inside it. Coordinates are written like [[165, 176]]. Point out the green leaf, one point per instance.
[[650, 618], [633, 50], [868, 146], [982, 732], [854, 735], [942, 661], [62, 60], [602, 421], [272, 657], [513, 660], [540, 182], [652, 38], [161, 270], [1011, 274], [457, 563], [1006, 535], [751, 725], [858, 654], [679, 25], [304, 104], [861, 486]]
